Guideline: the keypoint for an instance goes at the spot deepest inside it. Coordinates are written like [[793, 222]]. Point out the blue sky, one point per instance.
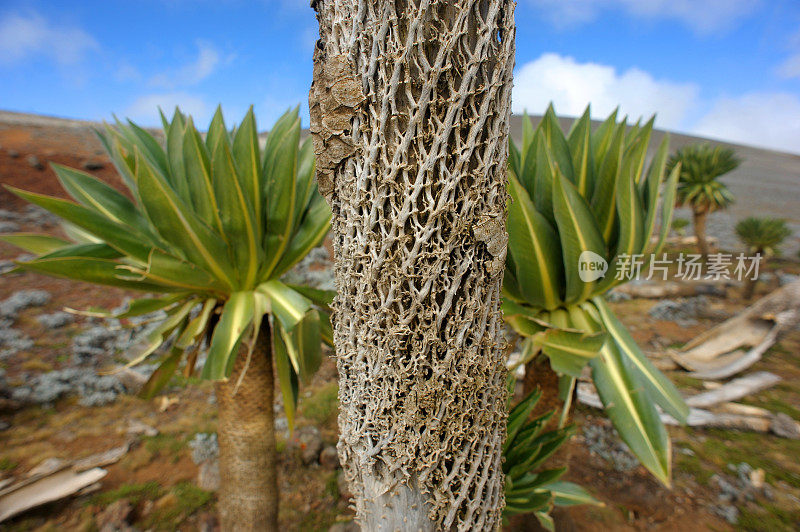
[[727, 69]]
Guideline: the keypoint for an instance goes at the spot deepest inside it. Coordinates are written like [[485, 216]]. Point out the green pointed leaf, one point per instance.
[[570, 494], [162, 375], [288, 306], [179, 225], [91, 270], [286, 374], [237, 315], [667, 207], [35, 243], [247, 155], [535, 249], [632, 413], [580, 145], [312, 230], [280, 170], [116, 235], [303, 344], [578, 230], [557, 143], [238, 217], [196, 326], [197, 163], [604, 196], [650, 189], [659, 387], [570, 350]]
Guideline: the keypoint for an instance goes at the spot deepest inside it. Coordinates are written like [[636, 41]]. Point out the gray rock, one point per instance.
[[34, 162], [205, 447], [12, 153], [316, 270], [784, 426], [93, 344], [37, 216], [682, 311], [728, 512], [55, 320], [308, 442], [12, 341], [615, 296], [93, 389], [604, 441], [18, 301], [9, 227], [9, 216], [329, 458], [787, 278]]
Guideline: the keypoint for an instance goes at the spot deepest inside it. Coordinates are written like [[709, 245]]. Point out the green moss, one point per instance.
[[322, 406], [188, 499], [772, 454], [7, 464], [135, 493], [165, 445], [769, 517], [332, 486], [692, 465], [682, 380]]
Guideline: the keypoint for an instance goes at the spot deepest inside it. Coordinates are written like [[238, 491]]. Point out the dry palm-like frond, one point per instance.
[[210, 225], [762, 234], [701, 167]]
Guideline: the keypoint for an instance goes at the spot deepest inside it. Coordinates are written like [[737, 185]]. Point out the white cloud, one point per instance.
[[208, 58], [703, 16], [571, 86], [144, 110], [23, 37], [770, 120], [767, 119], [790, 68]]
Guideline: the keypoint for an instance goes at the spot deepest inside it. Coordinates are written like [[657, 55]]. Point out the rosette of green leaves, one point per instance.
[[529, 487], [209, 225], [590, 192]]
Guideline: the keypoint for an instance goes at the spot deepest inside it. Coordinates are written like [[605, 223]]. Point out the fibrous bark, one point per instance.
[[700, 218], [409, 117], [248, 497]]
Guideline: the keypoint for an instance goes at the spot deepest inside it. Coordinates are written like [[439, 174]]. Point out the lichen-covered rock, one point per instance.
[[18, 301], [93, 389], [682, 311], [604, 441], [205, 447], [12, 341], [55, 320]]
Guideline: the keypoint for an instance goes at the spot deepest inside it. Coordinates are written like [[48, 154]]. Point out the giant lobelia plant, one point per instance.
[[209, 226], [588, 200]]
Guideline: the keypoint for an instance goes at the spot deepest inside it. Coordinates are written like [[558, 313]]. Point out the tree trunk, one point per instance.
[[539, 375], [700, 232], [409, 116], [750, 282], [248, 496]]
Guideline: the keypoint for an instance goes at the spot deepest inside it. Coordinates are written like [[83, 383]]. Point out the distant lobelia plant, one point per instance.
[[583, 205], [699, 186], [210, 225], [762, 236]]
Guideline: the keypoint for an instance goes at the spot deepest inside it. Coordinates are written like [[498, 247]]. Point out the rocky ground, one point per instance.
[[55, 401]]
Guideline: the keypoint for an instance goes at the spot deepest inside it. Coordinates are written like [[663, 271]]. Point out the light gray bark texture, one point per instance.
[[409, 116]]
